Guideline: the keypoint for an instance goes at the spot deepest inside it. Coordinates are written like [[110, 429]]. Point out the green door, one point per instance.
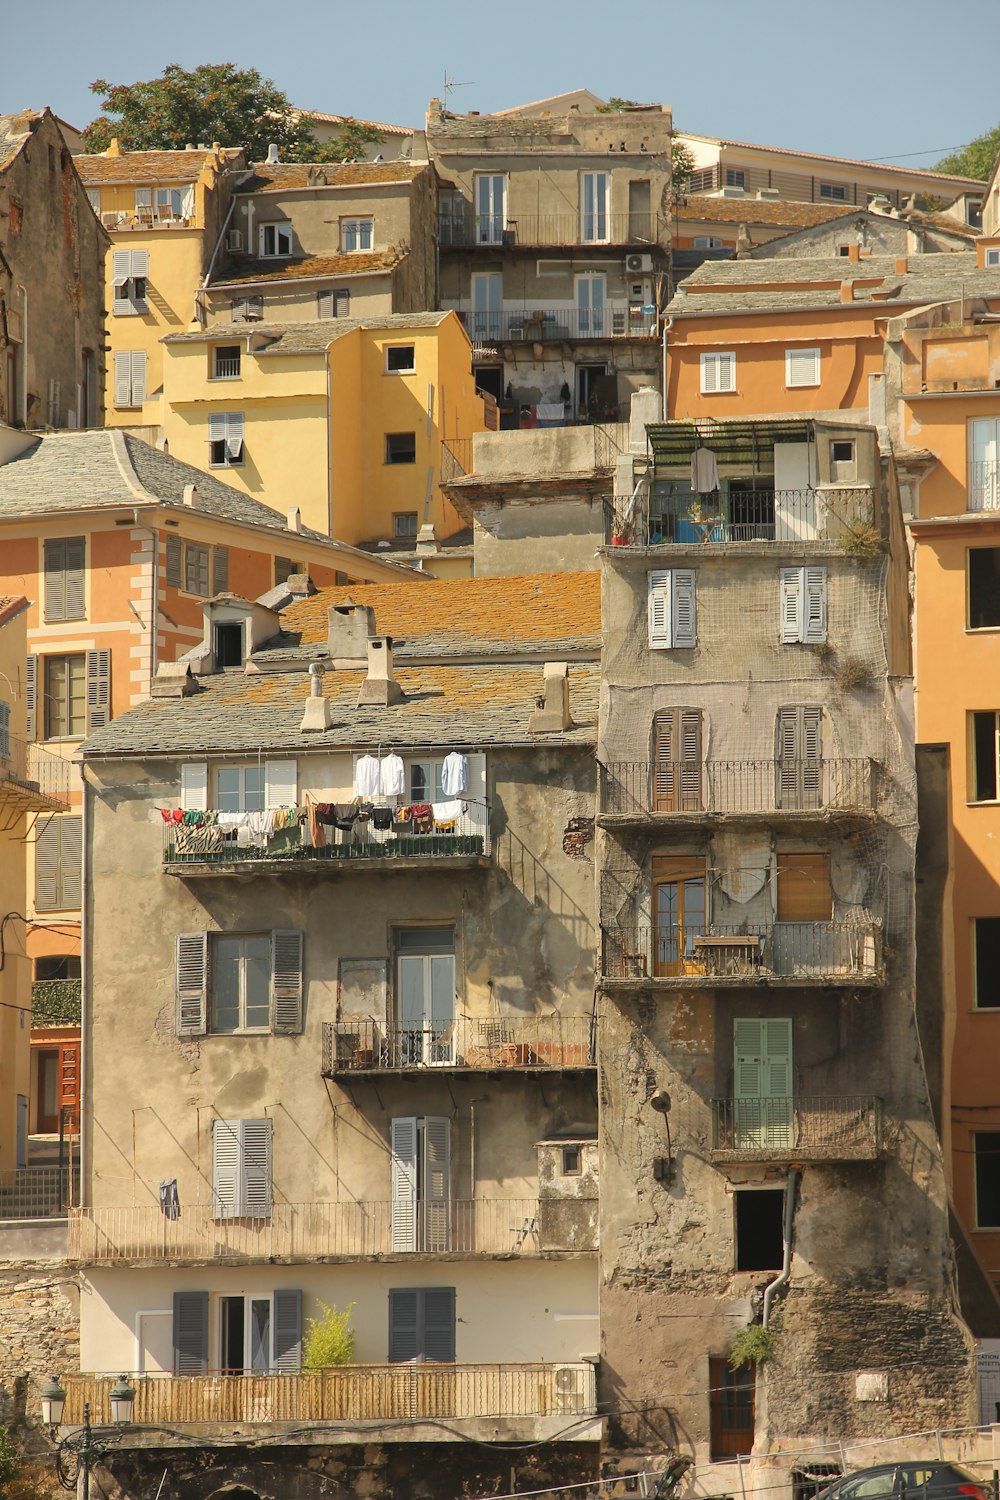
[[762, 1073]]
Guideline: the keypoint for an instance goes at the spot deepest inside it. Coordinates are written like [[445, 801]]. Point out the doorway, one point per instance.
[[489, 378], [589, 391], [245, 1328]]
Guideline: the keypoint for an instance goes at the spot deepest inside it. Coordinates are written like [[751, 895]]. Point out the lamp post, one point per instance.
[[77, 1453]]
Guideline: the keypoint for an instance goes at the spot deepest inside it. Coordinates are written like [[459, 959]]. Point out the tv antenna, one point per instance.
[[450, 85]]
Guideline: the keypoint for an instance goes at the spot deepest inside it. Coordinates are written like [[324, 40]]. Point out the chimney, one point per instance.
[[299, 585], [847, 291], [854, 251], [552, 707], [379, 687], [426, 540], [273, 158], [191, 495], [901, 265], [317, 716], [295, 519], [173, 679], [348, 627]]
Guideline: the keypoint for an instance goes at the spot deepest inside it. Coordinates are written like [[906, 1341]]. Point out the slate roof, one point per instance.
[[307, 338], [353, 263], [146, 166], [711, 210], [14, 131], [288, 176]]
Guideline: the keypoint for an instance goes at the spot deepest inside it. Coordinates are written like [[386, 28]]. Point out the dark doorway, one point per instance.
[[759, 1229], [228, 646], [489, 378]]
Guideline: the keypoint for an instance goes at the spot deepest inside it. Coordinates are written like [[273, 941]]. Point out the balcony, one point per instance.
[[637, 793], [524, 1401], [984, 486], [798, 953], [204, 845], [495, 232], [760, 515], [226, 367], [472, 1044], [522, 1227], [558, 325], [831, 1127], [32, 780]]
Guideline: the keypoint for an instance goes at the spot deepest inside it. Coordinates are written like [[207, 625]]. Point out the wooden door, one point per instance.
[[679, 892], [800, 757], [69, 1085], [731, 1405], [675, 780]]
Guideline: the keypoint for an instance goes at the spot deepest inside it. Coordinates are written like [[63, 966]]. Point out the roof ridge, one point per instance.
[[123, 458]]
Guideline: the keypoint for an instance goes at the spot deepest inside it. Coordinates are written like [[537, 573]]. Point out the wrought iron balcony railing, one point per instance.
[[479, 1043], [641, 789], [791, 516], [32, 779], [829, 1127], [43, 1192], [808, 952], [552, 325], [470, 231], [984, 486]]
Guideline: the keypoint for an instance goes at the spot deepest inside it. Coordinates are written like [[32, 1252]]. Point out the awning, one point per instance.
[[749, 443]]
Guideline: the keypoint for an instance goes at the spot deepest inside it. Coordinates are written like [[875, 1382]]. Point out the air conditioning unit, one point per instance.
[[567, 1381], [732, 192], [769, 194], [234, 240], [112, 218], [634, 263]]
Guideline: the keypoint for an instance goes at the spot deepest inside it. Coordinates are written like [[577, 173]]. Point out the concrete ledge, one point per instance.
[[34, 1239]]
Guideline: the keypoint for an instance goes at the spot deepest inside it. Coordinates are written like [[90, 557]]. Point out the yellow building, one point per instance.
[[164, 212], [346, 416]]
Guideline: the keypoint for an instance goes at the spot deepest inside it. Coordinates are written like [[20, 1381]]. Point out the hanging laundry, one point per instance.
[[392, 777], [447, 814], [170, 1203], [345, 815], [366, 776], [423, 818], [704, 471], [455, 774], [382, 818]]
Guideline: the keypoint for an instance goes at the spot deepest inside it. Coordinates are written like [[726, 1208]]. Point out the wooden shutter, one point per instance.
[[438, 1341], [404, 1324], [98, 689], [137, 377], [814, 605], [280, 783], [47, 867], [31, 698], [804, 893], [361, 992], [220, 570], [55, 579], [287, 1335], [683, 620], [191, 983], [255, 1169], [800, 756], [436, 1204], [194, 786], [286, 980], [4, 730], [676, 770], [227, 1157], [190, 1331], [175, 562], [659, 609], [791, 605], [404, 1183], [70, 861]]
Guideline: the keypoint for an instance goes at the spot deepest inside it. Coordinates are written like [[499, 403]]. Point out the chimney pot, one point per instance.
[[380, 686], [901, 266], [295, 519], [348, 628], [551, 713], [191, 495], [316, 716], [847, 291]]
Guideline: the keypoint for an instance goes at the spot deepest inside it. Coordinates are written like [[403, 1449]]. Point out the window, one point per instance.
[[422, 1324], [421, 1183], [130, 377], [736, 177], [987, 1148], [245, 1330], [257, 1332], [992, 256], [65, 697], [984, 588], [731, 1409], [490, 194], [248, 309], [401, 447], [801, 367], [195, 568], [242, 788], [227, 644], [285, 568], [986, 954], [58, 864], [333, 304], [595, 190], [399, 359], [718, 373], [591, 297], [487, 305], [226, 982], [130, 270], [675, 774], [803, 605], [225, 440], [985, 736], [680, 909], [356, 234], [65, 578], [804, 892], [239, 788], [58, 966], [275, 239], [94, 199], [226, 362], [173, 203], [404, 523], [800, 757], [834, 190], [671, 608], [425, 993], [707, 242], [241, 1169], [984, 463], [572, 1161]]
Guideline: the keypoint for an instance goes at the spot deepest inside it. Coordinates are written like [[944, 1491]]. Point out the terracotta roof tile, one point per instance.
[[145, 166], [355, 263], [293, 174], [11, 606], [324, 119]]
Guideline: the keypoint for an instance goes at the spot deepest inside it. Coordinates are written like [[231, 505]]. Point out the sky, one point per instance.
[[892, 80]]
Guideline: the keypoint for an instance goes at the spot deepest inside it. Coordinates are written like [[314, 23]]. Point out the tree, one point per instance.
[[615, 105], [216, 102], [976, 160], [682, 165]]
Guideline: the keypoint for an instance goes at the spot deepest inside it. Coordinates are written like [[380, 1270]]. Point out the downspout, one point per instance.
[[771, 1290], [85, 1037], [667, 325], [24, 362], [154, 623], [329, 445]]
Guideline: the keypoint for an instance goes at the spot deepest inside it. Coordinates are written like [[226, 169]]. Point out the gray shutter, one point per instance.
[[55, 579], [287, 1330], [255, 1169], [439, 1323], [814, 605], [191, 983], [404, 1329], [658, 609], [220, 570], [98, 689], [31, 698], [286, 980], [791, 605], [47, 867], [175, 559], [76, 578], [435, 1203], [685, 630], [4, 730], [190, 1333], [70, 862]]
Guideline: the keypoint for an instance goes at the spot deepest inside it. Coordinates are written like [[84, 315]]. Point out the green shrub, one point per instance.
[[862, 540], [751, 1346], [9, 1466], [329, 1339], [851, 674]]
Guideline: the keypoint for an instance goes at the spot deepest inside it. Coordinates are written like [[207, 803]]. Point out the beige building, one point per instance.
[[394, 142]]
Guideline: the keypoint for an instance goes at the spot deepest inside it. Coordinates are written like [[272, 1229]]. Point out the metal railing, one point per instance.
[[38, 1192], [498, 1043], [807, 515], [794, 187], [226, 367], [33, 778], [479, 1226], [469, 231], [209, 843], [666, 788], [360, 1393], [811, 951], [984, 486], [829, 1127], [549, 325]]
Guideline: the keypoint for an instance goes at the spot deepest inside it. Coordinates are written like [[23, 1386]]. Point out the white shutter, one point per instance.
[[436, 1205], [122, 270], [709, 374], [286, 980], [255, 1173], [404, 1183], [191, 982], [217, 428], [814, 605], [194, 786], [234, 435], [138, 377], [227, 1154], [140, 263], [187, 203], [683, 607], [123, 379], [791, 605], [280, 783], [659, 609]]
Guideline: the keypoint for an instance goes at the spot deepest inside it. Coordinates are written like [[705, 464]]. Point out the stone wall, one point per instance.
[[39, 1337]]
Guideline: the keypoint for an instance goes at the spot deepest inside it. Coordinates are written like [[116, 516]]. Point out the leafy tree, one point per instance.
[[681, 165], [329, 1339], [349, 143], [974, 160]]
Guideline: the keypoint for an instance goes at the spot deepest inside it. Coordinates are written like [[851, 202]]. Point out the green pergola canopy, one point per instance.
[[749, 443]]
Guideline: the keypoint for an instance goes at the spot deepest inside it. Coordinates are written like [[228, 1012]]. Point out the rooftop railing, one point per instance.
[[552, 325], [479, 1043], [32, 779], [640, 789], [469, 231], [812, 952], [829, 1127], [792, 516]]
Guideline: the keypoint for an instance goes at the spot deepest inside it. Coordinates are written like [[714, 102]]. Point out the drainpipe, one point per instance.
[[786, 1264], [668, 323], [329, 445], [85, 1038], [154, 622], [24, 360]]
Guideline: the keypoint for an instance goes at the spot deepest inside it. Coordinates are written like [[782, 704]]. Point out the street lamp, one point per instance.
[[77, 1453]]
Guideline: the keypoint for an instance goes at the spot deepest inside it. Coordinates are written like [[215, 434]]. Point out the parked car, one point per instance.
[[914, 1481]]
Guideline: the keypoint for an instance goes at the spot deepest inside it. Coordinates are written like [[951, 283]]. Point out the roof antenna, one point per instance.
[[450, 85]]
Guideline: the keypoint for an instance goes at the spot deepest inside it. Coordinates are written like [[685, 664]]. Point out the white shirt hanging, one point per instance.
[[455, 774], [392, 777], [366, 776]]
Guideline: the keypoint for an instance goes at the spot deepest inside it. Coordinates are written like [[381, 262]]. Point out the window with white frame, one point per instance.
[[992, 255], [130, 273], [274, 240], [595, 195], [803, 605], [736, 177], [225, 440], [130, 377], [400, 359], [94, 199], [241, 1169], [239, 788], [356, 234], [671, 609], [251, 787], [490, 194], [707, 242], [802, 367], [984, 463], [225, 362], [718, 373], [833, 190]]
